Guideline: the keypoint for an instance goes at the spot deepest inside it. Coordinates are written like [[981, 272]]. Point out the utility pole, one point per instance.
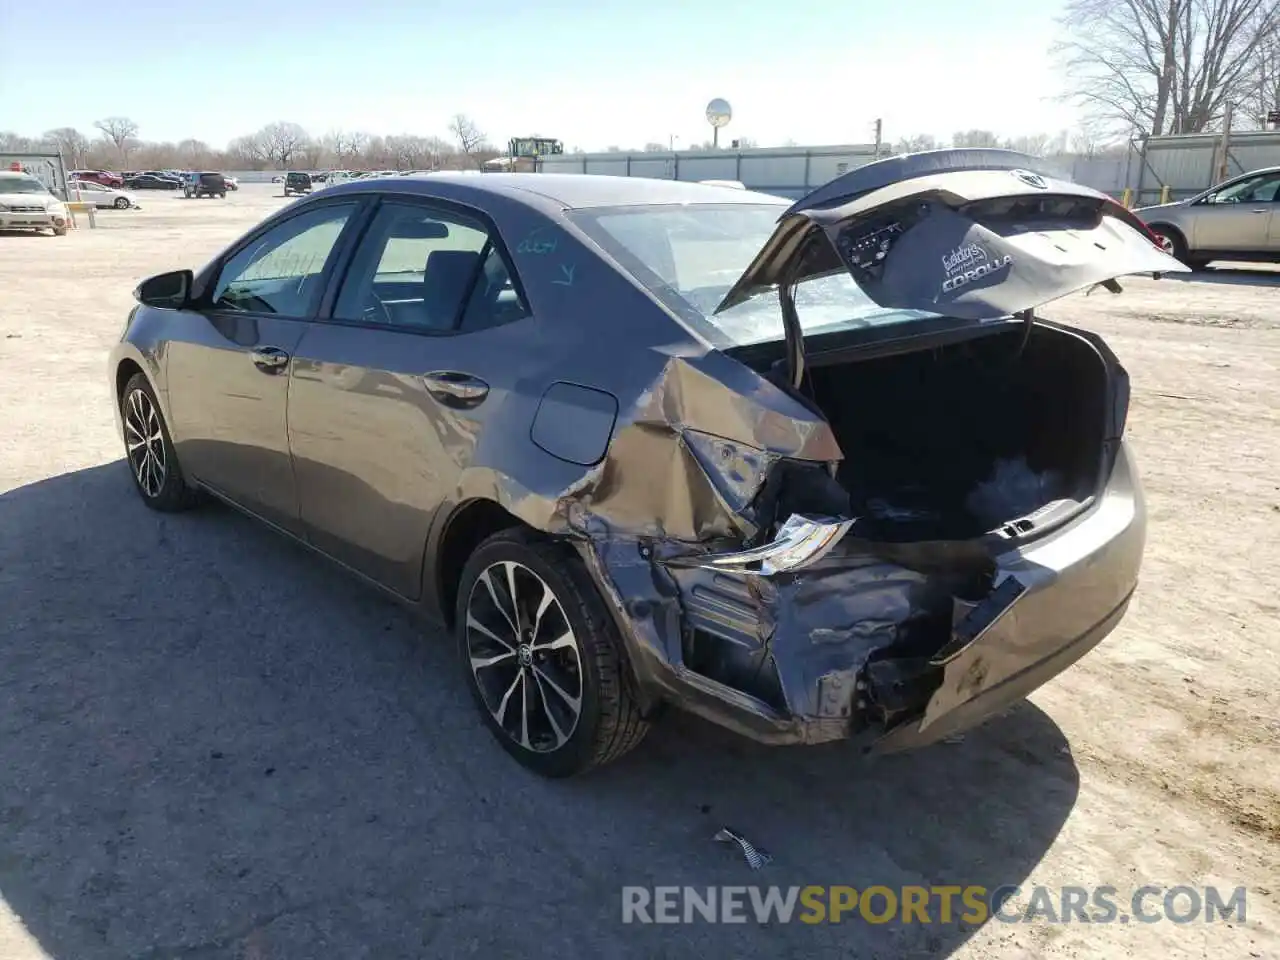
[[879, 128], [1225, 158]]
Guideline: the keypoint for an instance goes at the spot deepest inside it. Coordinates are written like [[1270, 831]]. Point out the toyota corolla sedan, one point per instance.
[[814, 471]]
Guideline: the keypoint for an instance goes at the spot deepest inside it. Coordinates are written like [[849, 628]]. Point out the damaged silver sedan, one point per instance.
[[814, 471]]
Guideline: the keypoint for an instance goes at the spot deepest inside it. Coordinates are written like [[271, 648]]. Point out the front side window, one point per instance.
[[414, 270], [689, 256], [282, 271], [1262, 189]]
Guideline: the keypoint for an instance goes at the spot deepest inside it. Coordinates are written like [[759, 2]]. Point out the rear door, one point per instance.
[[390, 396], [229, 375]]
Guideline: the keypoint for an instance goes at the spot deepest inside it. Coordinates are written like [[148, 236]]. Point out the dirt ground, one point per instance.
[[213, 746]]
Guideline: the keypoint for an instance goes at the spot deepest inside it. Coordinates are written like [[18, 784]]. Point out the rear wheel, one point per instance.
[[149, 450], [543, 658]]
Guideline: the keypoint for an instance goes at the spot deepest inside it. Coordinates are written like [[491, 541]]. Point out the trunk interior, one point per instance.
[[952, 442]]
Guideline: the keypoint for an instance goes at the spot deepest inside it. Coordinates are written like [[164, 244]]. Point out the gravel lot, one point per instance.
[[213, 745]]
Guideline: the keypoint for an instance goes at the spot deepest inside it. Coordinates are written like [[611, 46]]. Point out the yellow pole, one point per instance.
[[1165, 195], [1126, 198]]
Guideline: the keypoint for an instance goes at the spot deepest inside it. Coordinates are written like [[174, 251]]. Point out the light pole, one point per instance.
[[671, 142]]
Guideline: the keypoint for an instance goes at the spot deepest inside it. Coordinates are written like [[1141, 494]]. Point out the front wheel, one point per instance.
[[149, 450], [1172, 242], [543, 658], [121, 203]]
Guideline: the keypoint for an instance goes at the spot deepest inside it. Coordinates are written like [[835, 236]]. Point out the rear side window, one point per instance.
[[426, 271], [495, 298]]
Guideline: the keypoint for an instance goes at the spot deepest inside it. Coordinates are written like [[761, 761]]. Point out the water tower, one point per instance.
[[719, 113]]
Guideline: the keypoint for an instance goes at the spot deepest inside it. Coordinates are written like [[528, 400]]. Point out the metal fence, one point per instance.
[[1188, 164], [783, 171]]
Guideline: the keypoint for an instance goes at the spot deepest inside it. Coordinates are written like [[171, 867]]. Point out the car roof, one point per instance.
[[565, 190]]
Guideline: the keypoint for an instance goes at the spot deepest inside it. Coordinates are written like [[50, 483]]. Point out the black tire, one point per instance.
[[1172, 241], [171, 494], [121, 203], [609, 723], [59, 231]]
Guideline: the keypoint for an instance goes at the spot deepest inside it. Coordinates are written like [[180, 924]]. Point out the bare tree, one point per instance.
[[194, 153], [1162, 66], [1263, 88], [121, 131], [281, 141], [975, 138], [1035, 144], [248, 151], [71, 143], [915, 143], [347, 146], [470, 139], [655, 147]]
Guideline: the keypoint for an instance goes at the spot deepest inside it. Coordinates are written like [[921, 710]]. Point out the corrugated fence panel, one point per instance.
[[776, 171], [824, 167], [563, 164], [613, 166], [703, 167], [661, 167]]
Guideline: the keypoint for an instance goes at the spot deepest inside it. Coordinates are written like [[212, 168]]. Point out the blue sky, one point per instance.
[[591, 72]]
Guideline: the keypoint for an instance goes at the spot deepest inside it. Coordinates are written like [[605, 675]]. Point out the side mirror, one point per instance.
[[171, 291]]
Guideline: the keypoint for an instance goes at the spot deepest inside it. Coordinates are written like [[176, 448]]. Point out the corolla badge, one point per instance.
[[1031, 179]]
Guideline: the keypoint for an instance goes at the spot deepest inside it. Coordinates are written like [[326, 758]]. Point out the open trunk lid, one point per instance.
[[970, 234]]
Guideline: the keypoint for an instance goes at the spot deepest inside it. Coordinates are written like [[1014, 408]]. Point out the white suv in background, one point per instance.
[[27, 204]]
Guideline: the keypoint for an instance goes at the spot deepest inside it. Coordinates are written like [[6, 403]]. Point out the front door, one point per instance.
[[388, 399], [1238, 216], [229, 373]]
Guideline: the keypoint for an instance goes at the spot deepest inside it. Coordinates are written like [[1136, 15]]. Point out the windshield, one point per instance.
[[21, 185], [690, 255]]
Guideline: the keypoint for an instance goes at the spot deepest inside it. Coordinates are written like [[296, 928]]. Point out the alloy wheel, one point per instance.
[[1166, 244], [144, 443], [524, 657]]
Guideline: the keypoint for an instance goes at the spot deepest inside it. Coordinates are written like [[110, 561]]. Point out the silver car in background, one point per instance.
[[1236, 220]]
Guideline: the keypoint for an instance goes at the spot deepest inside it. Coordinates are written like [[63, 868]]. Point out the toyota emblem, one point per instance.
[[1031, 179]]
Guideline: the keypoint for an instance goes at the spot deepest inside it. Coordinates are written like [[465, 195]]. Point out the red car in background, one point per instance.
[[104, 177]]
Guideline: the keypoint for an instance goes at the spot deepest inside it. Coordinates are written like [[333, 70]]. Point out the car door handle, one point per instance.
[[270, 359], [455, 389], [1263, 210]]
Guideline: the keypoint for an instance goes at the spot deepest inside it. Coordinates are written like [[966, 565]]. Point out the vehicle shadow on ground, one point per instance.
[[1238, 276], [213, 744]]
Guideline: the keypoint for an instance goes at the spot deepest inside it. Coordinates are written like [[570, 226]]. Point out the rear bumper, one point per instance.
[[815, 633]]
